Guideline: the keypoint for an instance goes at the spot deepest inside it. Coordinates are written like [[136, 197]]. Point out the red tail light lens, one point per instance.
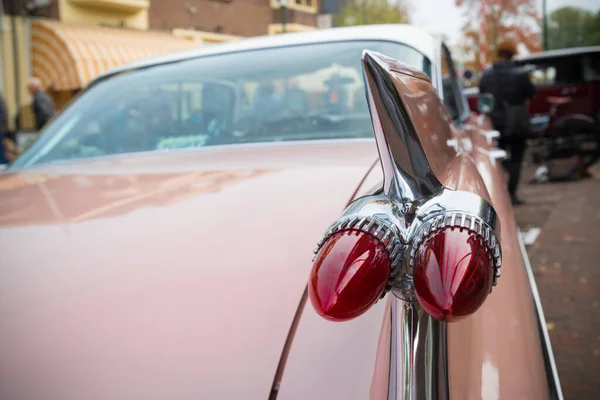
[[349, 274], [453, 273]]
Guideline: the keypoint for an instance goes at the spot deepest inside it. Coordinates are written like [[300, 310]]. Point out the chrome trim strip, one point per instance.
[[419, 362], [436, 69], [393, 377], [554, 380]]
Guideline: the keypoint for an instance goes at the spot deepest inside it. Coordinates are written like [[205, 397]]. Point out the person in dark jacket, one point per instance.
[[512, 89], [3, 129], [3, 115], [42, 105]]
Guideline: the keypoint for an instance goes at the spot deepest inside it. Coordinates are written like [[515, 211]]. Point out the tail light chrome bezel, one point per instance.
[[457, 219], [404, 226], [458, 209], [376, 227]]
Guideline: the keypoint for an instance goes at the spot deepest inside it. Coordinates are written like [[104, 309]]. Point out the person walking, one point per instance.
[[42, 105], [512, 89], [3, 130]]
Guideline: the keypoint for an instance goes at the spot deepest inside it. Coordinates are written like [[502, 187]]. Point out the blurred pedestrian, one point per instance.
[[42, 105], [512, 89], [3, 129], [3, 115]]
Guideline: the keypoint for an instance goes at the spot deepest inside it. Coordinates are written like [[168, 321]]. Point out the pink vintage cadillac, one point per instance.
[[157, 239]]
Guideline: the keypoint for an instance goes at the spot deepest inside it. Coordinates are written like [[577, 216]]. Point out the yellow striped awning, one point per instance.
[[68, 57]]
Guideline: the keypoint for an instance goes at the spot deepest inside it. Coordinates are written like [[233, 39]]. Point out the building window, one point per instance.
[[309, 6]]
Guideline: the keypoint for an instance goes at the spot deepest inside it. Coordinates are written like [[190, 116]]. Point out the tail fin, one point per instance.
[[407, 172]]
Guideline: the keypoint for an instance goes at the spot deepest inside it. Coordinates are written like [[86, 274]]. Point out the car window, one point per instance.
[[452, 88], [591, 67], [306, 92], [556, 71], [542, 75]]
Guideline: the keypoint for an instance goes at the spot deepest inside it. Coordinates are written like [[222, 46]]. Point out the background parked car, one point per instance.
[[573, 73]]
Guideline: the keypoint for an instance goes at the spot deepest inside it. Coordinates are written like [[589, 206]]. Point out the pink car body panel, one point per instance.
[[178, 275], [123, 283]]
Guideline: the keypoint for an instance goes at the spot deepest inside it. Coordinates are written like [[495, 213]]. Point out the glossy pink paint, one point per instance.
[[163, 276]]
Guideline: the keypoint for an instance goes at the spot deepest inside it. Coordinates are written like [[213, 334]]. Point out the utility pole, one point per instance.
[[283, 8], [2, 83], [283, 17], [545, 24], [13, 7]]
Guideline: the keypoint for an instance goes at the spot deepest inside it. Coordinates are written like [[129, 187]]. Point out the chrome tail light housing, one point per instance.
[[415, 238]]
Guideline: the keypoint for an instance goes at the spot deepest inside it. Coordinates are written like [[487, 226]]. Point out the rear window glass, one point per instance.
[[306, 92]]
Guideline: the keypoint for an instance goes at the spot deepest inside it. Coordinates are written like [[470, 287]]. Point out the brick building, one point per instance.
[[234, 17]]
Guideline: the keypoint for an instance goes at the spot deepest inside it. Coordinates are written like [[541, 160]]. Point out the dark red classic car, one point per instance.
[[572, 73], [566, 109]]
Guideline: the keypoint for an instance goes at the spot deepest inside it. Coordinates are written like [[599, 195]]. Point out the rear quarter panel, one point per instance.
[[497, 352]]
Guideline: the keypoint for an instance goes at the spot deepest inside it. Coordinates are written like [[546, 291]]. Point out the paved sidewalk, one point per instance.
[[566, 264]]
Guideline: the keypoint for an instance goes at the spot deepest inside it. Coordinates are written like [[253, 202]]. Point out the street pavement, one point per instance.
[[565, 259]]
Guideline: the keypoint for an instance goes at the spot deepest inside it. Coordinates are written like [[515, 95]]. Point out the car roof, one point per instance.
[[559, 53], [409, 35]]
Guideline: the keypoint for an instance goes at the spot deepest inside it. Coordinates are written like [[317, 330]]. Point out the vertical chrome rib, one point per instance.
[[419, 359]]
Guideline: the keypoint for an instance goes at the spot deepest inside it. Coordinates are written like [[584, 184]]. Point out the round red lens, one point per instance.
[[452, 274], [349, 275]]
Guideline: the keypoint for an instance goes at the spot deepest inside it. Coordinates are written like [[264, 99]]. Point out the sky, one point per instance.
[[442, 16]]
